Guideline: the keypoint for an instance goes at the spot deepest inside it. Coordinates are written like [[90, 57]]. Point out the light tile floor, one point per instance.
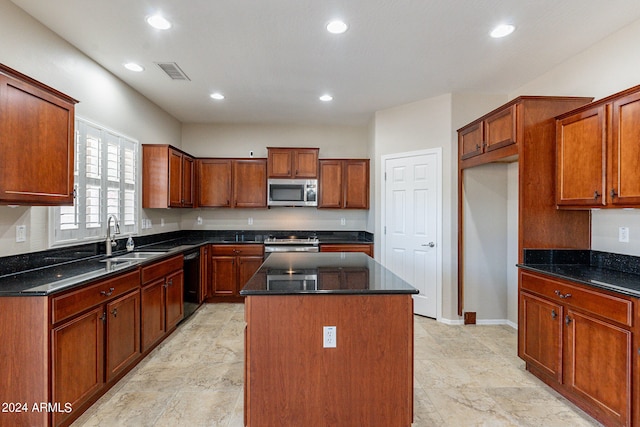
[[464, 376]]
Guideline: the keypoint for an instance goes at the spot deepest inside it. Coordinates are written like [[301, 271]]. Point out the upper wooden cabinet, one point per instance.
[[237, 183], [598, 153], [494, 131], [168, 177], [344, 184], [36, 142], [292, 162]]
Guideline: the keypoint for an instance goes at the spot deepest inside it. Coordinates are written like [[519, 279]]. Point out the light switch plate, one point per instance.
[[623, 234], [21, 233]]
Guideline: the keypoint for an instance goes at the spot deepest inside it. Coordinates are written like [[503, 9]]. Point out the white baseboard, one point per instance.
[[456, 322]]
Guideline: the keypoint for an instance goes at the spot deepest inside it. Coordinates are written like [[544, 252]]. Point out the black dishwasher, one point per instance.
[[191, 282]]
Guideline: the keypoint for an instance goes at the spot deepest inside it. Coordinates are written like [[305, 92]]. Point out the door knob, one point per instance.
[[430, 244]]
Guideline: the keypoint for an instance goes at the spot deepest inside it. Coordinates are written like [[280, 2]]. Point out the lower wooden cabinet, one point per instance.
[[579, 340], [366, 248], [161, 300], [231, 267]]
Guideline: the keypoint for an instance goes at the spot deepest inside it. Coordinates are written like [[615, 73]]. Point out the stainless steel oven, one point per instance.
[[290, 244], [292, 280]]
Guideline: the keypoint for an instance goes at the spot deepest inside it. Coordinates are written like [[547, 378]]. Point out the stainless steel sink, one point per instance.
[[133, 256]]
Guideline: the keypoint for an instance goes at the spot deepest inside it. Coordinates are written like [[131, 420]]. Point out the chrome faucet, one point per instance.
[[110, 243]]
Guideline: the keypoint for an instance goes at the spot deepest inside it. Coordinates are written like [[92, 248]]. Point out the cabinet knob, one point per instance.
[[104, 316], [114, 312], [596, 194], [613, 193], [170, 282], [107, 293], [561, 295], [477, 146], [567, 319], [554, 314]]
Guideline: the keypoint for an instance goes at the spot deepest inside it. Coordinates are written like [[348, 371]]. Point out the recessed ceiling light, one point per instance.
[[158, 22], [217, 96], [132, 66], [326, 98], [337, 27], [502, 30]]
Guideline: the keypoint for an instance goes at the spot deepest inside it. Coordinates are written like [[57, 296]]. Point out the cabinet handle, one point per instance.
[[596, 194], [567, 319], [554, 314], [114, 312], [107, 293], [170, 282], [613, 193], [561, 295], [103, 317], [477, 147]]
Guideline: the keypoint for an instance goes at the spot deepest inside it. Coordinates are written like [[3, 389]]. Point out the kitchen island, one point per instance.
[[329, 341]]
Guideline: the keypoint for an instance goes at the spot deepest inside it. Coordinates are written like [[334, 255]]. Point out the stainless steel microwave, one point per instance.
[[293, 192]]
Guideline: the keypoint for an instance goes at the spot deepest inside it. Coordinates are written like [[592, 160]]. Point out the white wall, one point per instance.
[[607, 67], [32, 49], [233, 140]]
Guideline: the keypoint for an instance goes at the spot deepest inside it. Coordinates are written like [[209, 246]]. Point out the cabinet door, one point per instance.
[[214, 183], [247, 266], [366, 248], [541, 334], [174, 304], [123, 333], [77, 360], [625, 160], [153, 313], [250, 183], [356, 184], [36, 145], [598, 364], [279, 162], [581, 145], [470, 141], [175, 179], [188, 182], [223, 275], [305, 163], [330, 184], [204, 273], [500, 129]]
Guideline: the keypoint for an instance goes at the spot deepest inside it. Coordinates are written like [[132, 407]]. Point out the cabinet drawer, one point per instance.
[[161, 269], [599, 303], [65, 306], [237, 250]]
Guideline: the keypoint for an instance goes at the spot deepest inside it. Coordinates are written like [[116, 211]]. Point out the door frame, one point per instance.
[[383, 221]]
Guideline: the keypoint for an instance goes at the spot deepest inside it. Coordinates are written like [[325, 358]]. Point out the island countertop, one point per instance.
[[324, 273]]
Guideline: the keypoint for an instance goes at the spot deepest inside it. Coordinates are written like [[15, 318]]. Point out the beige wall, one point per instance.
[[32, 49], [237, 140]]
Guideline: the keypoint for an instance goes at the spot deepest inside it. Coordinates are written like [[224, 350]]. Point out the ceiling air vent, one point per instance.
[[173, 71]]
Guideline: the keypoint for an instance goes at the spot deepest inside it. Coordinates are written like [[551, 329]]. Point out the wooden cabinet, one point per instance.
[[231, 268], [161, 300], [168, 177], [292, 162], [495, 131], [344, 184], [36, 142], [366, 248], [236, 183], [343, 278], [579, 340], [597, 153], [94, 338]]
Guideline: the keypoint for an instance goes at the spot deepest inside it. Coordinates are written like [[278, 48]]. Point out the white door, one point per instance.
[[411, 209]]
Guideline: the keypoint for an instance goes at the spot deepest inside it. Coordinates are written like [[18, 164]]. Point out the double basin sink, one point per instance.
[[130, 257]]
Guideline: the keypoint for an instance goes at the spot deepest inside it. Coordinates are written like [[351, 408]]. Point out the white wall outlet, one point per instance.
[[21, 233], [329, 337], [343, 221], [623, 234], [199, 220], [250, 221], [149, 223], [161, 222]]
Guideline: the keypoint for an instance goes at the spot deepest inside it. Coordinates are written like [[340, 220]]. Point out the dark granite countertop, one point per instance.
[[324, 273], [612, 272], [47, 272]]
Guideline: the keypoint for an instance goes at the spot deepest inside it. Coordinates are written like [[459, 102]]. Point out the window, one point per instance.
[[105, 175]]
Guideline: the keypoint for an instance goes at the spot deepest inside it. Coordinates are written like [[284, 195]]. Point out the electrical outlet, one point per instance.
[[343, 221], [21, 233], [250, 221], [623, 234], [161, 222], [199, 220], [330, 339]]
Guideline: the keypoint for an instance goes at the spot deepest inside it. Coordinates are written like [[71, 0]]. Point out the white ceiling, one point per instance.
[[273, 58]]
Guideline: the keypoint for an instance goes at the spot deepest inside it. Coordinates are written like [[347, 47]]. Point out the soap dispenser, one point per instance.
[[130, 244]]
